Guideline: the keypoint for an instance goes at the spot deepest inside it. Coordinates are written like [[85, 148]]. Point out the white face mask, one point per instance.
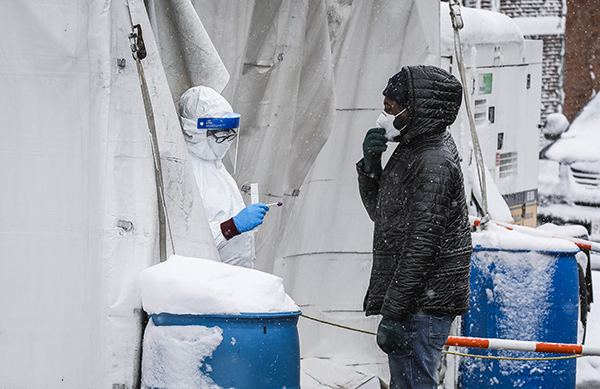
[[386, 121]]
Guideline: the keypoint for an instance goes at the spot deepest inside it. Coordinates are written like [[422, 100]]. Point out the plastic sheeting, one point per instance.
[[78, 205], [282, 85], [186, 51], [296, 69]]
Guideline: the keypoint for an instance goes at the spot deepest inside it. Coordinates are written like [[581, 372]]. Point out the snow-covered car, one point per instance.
[[569, 170], [577, 154]]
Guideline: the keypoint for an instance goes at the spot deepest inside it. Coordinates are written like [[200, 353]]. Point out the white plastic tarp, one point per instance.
[[76, 163], [282, 85], [309, 71]]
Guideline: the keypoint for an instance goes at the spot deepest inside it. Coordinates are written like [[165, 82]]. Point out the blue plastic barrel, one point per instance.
[[521, 295], [258, 351]]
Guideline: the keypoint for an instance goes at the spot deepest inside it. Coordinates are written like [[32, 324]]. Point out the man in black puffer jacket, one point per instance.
[[422, 241]]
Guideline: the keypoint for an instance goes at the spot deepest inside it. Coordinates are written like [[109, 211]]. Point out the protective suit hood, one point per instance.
[[202, 102], [221, 197]]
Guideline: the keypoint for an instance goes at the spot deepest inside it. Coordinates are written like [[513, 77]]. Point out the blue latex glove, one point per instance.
[[250, 217], [391, 335]]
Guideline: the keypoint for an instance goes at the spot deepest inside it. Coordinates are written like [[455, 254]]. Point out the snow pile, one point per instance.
[[549, 185], [184, 285], [173, 356], [571, 176], [556, 124], [575, 230], [501, 238]]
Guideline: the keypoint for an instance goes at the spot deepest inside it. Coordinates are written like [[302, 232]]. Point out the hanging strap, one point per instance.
[[457, 24], [138, 50]]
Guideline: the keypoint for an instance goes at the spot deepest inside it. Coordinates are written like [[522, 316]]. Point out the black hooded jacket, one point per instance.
[[422, 240]]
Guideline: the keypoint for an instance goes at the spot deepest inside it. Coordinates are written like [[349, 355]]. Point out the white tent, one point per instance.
[[79, 210]]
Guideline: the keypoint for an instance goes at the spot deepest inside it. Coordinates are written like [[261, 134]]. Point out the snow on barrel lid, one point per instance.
[[496, 237], [195, 286]]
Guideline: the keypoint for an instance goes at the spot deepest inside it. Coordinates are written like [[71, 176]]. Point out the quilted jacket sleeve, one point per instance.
[[368, 186]]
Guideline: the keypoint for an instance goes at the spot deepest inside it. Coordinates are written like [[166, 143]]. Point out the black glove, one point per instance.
[[390, 335], [374, 145]]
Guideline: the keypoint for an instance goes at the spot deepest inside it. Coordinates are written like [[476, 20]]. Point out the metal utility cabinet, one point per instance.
[[504, 84]]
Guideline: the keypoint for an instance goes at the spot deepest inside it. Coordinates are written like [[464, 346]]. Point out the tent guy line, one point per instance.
[[497, 344]]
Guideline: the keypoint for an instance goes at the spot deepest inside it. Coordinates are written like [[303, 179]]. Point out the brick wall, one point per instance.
[[519, 8], [582, 54], [552, 71], [531, 8], [483, 4]]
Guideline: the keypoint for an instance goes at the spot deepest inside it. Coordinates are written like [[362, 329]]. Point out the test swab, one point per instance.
[[279, 204], [254, 193]]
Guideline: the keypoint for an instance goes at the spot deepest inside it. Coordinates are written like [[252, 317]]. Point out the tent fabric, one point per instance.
[[77, 163], [186, 51], [329, 216], [79, 205], [282, 85], [303, 65]]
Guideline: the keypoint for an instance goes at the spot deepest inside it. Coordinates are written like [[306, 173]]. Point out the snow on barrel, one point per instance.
[[523, 287], [213, 325]]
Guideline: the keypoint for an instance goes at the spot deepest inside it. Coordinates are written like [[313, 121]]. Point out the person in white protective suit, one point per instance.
[[209, 127]]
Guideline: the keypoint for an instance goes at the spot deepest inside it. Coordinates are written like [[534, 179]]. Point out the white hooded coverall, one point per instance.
[[220, 194]]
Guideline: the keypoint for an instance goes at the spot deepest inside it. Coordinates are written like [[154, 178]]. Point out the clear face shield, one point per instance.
[[230, 158], [223, 138]]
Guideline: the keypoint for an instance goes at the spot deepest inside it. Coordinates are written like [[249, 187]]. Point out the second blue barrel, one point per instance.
[[518, 294]]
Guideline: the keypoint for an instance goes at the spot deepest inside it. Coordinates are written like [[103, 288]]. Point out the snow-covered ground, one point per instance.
[[588, 368], [559, 195]]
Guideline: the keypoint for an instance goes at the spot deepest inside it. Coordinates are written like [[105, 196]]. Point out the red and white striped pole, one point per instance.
[[581, 243], [522, 345]]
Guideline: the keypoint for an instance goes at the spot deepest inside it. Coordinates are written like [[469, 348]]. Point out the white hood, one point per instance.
[[202, 102]]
